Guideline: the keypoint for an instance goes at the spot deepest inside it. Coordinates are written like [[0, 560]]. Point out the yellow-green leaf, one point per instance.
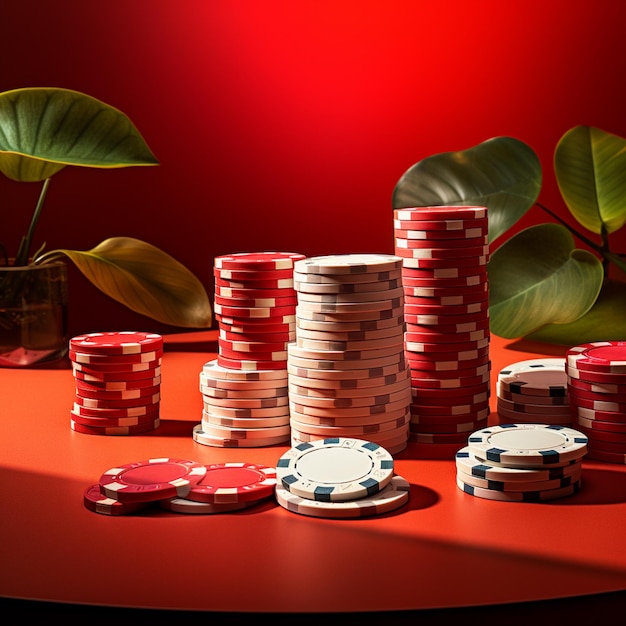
[[503, 174], [538, 277], [605, 321], [44, 129], [590, 168], [145, 279]]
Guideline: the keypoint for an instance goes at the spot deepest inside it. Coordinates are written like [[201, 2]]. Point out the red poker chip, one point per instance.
[[108, 394], [115, 430], [443, 302], [446, 338], [251, 347], [597, 405], [277, 283], [257, 303], [442, 242], [244, 275], [446, 384], [451, 408], [436, 365], [603, 378], [451, 373], [576, 392], [439, 292], [116, 377], [266, 260], [234, 482], [445, 257], [117, 385], [452, 394], [447, 319], [271, 338], [243, 293], [606, 457], [254, 312], [123, 342], [603, 416], [598, 388], [598, 436], [98, 403], [600, 357], [108, 359], [471, 265], [430, 347], [452, 283], [590, 424], [113, 421], [151, 480], [133, 411], [428, 235], [438, 428], [448, 329], [606, 446], [95, 501], [439, 224], [441, 212], [117, 368]]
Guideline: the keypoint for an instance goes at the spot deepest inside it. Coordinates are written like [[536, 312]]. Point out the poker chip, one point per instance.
[[212, 369], [518, 496], [517, 487], [201, 437], [191, 507], [335, 418], [209, 417], [390, 498], [228, 432], [346, 288], [468, 463], [335, 469], [348, 264], [440, 213], [528, 444], [607, 457], [151, 479], [228, 483], [598, 357], [116, 343], [368, 278], [117, 377], [538, 377], [97, 422], [95, 501], [258, 261]]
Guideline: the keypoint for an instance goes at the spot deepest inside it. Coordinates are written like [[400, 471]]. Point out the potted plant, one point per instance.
[[541, 285], [42, 131]]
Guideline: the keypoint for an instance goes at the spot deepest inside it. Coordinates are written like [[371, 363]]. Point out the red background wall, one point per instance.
[[283, 125]]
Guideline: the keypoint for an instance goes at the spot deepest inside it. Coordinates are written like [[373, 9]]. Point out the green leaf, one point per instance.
[[503, 174], [590, 168], [538, 277], [143, 278], [605, 321], [42, 130]]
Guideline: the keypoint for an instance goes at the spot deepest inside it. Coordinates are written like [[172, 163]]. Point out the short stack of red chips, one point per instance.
[[118, 382]]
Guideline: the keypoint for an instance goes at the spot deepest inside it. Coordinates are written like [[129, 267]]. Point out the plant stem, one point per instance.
[[592, 244], [25, 245]]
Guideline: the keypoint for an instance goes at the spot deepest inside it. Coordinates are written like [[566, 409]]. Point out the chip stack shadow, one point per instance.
[[347, 371], [445, 250], [244, 390]]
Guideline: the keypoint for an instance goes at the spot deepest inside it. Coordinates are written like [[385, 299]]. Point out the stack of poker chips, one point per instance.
[[347, 371], [522, 462], [445, 252], [596, 382], [534, 390], [244, 390], [117, 378], [339, 477], [181, 486]]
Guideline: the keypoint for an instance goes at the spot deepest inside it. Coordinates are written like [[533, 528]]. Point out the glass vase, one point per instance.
[[33, 314]]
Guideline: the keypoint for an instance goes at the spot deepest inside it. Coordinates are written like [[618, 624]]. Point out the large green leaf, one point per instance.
[[143, 278], [537, 277], [605, 321], [44, 129], [503, 174], [590, 168]]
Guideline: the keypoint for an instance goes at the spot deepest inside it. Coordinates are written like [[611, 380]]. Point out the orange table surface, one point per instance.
[[444, 548]]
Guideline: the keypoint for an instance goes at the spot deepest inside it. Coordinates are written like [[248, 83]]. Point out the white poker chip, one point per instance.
[[335, 469], [538, 377], [395, 495], [468, 463], [348, 264], [528, 444]]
